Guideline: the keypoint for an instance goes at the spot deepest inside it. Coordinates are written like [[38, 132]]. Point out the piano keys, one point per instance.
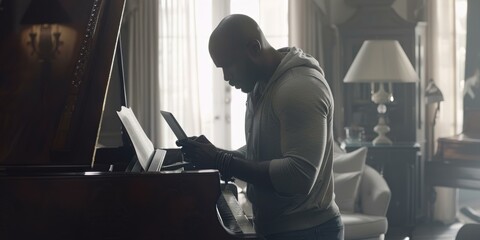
[[232, 214]]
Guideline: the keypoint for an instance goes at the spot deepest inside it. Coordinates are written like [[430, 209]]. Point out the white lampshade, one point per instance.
[[381, 61]]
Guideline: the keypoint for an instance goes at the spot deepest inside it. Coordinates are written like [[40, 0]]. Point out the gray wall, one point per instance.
[[341, 11]]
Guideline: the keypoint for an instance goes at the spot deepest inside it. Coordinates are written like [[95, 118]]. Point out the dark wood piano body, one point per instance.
[[111, 206], [54, 182]]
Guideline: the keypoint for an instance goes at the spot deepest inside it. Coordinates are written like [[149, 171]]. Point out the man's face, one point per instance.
[[240, 74], [238, 69]]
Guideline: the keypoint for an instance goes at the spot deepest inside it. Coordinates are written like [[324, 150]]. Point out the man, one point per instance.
[[287, 161]]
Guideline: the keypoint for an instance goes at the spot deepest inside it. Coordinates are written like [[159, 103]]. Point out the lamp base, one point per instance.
[[382, 140], [382, 129]]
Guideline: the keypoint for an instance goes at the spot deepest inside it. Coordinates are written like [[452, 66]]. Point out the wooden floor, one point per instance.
[[441, 231], [430, 231]]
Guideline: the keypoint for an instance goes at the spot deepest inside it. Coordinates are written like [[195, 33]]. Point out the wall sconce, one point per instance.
[[44, 16], [381, 62]]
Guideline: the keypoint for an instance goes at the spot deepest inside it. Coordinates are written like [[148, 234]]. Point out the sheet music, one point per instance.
[[142, 144]]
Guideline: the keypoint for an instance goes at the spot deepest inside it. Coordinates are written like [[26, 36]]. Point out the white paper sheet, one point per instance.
[[142, 144]]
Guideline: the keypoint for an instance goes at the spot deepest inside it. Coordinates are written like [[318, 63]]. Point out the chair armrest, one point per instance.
[[374, 193]]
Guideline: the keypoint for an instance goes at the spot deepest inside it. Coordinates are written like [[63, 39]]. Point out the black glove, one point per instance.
[[203, 154], [200, 151]]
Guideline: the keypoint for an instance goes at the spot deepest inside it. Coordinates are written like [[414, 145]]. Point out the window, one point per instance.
[[460, 52], [272, 16], [190, 86]]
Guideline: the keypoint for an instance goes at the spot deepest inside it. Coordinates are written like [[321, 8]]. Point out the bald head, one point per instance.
[[232, 35], [238, 46]]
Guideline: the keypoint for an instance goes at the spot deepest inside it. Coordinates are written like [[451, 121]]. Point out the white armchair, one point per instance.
[[369, 220]]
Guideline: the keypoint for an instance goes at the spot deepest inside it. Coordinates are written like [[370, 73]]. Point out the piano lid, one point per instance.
[[53, 80]]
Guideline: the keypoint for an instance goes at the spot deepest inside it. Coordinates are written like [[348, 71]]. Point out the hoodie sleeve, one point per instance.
[[303, 106]]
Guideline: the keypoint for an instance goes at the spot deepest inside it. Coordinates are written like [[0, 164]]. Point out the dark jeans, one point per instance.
[[330, 230]]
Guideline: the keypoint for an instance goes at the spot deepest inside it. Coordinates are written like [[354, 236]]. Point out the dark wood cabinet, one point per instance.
[[406, 114], [401, 166], [402, 163]]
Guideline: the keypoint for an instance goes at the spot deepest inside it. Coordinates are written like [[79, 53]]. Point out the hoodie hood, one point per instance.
[[293, 57]]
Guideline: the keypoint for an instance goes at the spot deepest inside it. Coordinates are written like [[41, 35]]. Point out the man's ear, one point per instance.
[[254, 48]]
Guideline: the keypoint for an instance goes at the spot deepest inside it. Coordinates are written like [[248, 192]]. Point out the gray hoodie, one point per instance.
[[291, 124]]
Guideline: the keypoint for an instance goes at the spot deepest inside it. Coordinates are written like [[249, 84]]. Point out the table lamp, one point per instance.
[[433, 94], [380, 63]]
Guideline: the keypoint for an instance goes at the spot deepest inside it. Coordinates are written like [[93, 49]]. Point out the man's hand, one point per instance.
[[200, 151]]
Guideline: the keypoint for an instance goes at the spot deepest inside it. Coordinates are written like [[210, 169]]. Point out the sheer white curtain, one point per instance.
[[169, 66], [140, 31], [306, 20], [178, 67], [272, 17], [443, 69], [162, 64], [443, 64], [311, 29]]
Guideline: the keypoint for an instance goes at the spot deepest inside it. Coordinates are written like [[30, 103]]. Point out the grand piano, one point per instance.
[[59, 63]]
